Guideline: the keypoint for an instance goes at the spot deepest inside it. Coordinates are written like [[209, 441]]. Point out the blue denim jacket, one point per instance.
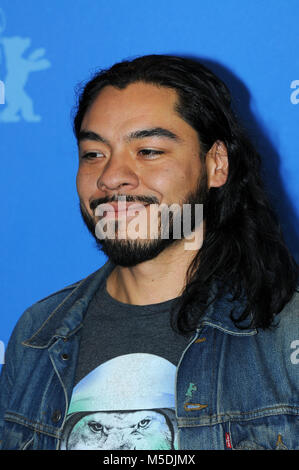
[[235, 389]]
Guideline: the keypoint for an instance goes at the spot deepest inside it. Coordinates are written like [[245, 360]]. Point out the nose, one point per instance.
[[118, 172]]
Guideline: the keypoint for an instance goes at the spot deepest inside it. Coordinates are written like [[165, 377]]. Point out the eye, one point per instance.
[[92, 155], [144, 423], [95, 427], [150, 153]]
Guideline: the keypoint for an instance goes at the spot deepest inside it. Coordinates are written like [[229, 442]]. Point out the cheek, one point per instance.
[[173, 182], [86, 183], [160, 181], [194, 168]]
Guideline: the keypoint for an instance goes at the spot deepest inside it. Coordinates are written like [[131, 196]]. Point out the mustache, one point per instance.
[[122, 197]]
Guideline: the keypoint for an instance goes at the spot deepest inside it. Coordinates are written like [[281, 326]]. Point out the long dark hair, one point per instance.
[[243, 252]]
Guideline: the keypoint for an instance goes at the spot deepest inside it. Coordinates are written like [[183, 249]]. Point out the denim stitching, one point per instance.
[[43, 428], [244, 416]]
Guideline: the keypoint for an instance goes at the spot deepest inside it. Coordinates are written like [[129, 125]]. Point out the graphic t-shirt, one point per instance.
[[124, 394]]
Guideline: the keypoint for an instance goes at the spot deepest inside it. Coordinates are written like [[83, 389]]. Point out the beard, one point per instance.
[[130, 252]]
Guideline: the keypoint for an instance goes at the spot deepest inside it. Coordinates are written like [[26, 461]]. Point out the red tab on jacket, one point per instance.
[[227, 440]]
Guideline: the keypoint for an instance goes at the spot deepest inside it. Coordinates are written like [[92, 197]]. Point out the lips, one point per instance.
[[119, 208], [122, 206]]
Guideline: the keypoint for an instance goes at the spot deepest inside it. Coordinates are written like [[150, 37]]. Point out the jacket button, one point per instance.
[[56, 416], [65, 356]]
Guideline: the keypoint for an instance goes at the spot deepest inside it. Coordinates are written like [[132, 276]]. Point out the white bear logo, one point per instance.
[[17, 101]]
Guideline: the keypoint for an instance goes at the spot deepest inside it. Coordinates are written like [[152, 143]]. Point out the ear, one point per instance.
[[217, 165]]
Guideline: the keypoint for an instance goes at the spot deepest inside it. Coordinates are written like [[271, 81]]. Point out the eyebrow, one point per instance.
[[139, 134], [153, 132]]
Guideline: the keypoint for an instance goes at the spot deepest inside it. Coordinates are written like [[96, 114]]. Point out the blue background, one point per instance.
[[252, 44]]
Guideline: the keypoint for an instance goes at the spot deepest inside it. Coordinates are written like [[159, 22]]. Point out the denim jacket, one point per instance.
[[235, 389]]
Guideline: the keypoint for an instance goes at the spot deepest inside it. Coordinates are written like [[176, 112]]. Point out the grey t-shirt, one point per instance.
[[125, 379]]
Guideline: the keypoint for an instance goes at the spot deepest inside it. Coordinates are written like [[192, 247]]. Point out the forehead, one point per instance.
[[122, 110]]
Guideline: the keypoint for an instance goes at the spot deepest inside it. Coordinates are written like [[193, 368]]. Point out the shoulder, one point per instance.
[[292, 307], [282, 340], [288, 318], [37, 313]]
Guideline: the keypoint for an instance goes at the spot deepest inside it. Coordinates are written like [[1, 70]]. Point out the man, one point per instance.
[[177, 342]]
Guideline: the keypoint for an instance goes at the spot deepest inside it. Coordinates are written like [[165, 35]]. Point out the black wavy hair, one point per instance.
[[243, 250]]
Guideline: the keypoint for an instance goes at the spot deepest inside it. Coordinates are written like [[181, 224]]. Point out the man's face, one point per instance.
[[134, 144]]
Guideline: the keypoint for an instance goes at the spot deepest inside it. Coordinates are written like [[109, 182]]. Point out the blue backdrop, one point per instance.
[[47, 48]]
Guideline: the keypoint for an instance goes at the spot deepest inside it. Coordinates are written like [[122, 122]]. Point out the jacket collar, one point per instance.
[[66, 319]]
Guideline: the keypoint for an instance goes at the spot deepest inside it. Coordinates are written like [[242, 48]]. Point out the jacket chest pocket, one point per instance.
[[278, 432]]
